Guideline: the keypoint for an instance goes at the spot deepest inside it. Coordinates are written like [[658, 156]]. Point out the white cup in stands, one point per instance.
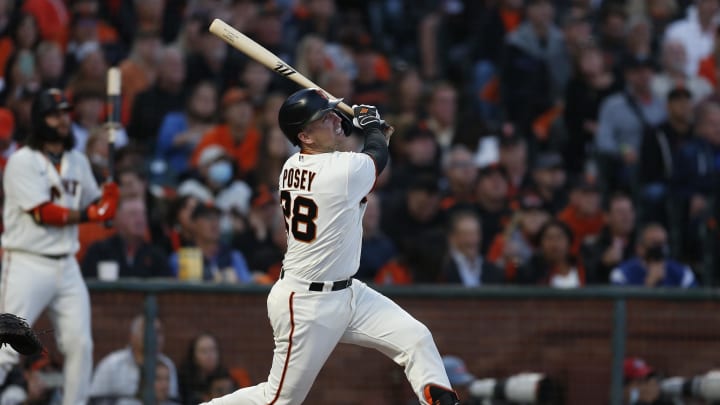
[[108, 270]]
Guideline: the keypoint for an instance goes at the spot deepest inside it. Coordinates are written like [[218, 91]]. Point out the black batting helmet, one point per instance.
[[302, 108], [48, 101]]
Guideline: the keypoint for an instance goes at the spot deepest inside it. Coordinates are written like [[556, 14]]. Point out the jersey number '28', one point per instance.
[[300, 216]]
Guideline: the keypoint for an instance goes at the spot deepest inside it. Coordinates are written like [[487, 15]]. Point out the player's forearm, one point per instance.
[[56, 215], [376, 147]]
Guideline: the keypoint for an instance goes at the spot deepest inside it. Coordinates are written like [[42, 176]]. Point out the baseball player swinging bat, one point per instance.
[[113, 120], [244, 44]]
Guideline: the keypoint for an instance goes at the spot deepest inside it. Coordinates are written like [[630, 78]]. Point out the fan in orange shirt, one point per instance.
[[583, 214], [237, 135], [516, 244]]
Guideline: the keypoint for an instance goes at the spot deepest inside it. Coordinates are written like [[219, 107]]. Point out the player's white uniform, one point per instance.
[[322, 199], [39, 269]]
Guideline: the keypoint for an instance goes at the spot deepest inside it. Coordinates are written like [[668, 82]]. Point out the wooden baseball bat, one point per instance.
[[113, 117], [113, 121], [242, 43]]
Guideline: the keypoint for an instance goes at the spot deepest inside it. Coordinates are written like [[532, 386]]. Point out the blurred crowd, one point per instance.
[[200, 375], [561, 143]]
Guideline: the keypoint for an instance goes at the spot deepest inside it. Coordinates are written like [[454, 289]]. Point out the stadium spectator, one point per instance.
[[638, 41], [50, 64], [624, 118], [318, 17], [218, 384], [377, 248], [253, 234], [553, 264], [460, 175], [267, 28], [274, 151], [517, 242], [673, 75], [548, 181], [166, 94], [641, 383], [22, 34], [708, 66], [179, 222], [212, 61], [616, 242], [88, 26], [338, 83], [201, 361], [237, 133], [91, 68], [38, 380], [405, 101], [133, 183], [370, 85], [139, 71], [181, 131], [311, 60], [695, 32], [583, 214], [419, 153], [532, 75], [52, 18], [659, 154], [414, 222], [442, 119], [256, 79], [652, 265], [491, 202], [220, 263], [88, 109], [118, 374], [513, 156], [129, 247], [216, 183], [463, 263], [590, 84]]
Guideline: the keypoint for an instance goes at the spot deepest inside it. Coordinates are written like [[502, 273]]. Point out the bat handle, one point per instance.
[[110, 163]]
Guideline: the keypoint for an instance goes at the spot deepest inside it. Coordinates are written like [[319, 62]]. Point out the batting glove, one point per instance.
[[104, 209], [366, 116]]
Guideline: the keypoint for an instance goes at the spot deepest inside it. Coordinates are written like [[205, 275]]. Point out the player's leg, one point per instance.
[[381, 324], [27, 284], [70, 314], [307, 326]]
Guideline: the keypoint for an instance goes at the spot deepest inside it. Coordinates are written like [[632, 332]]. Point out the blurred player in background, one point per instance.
[[49, 189]]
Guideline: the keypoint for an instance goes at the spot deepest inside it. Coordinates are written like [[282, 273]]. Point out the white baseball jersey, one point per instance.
[[30, 179], [321, 199]]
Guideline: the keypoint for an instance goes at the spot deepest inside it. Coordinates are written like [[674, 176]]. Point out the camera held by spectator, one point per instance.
[[521, 388], [705, 387]]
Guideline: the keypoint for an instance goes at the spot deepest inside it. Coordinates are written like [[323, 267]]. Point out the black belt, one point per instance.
[[318, 286], [337, 285], [55, 257]]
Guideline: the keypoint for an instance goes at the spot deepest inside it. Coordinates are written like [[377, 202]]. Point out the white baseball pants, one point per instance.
[[308, 325]]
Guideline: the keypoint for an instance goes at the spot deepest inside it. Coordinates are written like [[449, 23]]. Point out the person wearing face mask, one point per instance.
[[652, 265], [215, 183]]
